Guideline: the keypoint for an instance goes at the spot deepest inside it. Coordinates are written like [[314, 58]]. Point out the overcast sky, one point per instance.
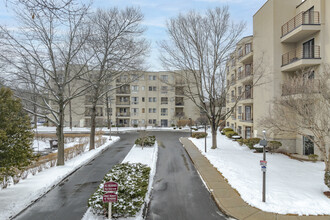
[[156, 13]]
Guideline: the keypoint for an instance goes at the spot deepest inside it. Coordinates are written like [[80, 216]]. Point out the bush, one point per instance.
[[146, 141], [313, 157], [227, 129], [199, 135], [132, 182], [249, 142], [229, 134], [135, 126], [172, 125], [272, 146]]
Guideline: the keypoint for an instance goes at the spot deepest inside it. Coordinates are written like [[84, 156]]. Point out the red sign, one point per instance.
[[110, 197], [110, 186], [263, 163]]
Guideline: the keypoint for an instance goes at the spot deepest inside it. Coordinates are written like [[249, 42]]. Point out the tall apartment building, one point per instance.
[[152, 99], [288, 38]]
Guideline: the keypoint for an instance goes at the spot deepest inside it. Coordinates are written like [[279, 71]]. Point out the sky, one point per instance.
[[156, 12]]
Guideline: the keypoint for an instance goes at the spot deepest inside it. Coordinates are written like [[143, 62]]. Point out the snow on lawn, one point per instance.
[[292, 186], [43, 144], [147, 156], [42, 129], [17, 197]]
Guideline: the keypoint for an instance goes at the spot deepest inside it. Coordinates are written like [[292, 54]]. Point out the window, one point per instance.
[[152, 88], [150, 110], [308, 16], [248, 48], [248, 71], [154, 110], [239, 90], [142, 88], [142, 121], [135, 111], [164, 100], [239, 110], [154, 121], [135, 122], [240, 72], [135, 100], [154, 99], [150, 99], [164, 89], [164, 78], [135, 88], [240, 52], [152, 77], [232, 96], [142, 99], [248, 92], [308, 145], [248, 115], [239, 131], [143, 110], [150, 121], [163, 111], [247, 132]]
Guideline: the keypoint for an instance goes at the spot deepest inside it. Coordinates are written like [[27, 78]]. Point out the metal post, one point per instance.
[[110, 120], [264, 172], [109, 210], [190, 127], [205, 137]]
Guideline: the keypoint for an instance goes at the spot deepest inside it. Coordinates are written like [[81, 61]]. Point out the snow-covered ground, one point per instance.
[[293, 186], [148, 156], [42, 129], [43, 144], [17, 197]]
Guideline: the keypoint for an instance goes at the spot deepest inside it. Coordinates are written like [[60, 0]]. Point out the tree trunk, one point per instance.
[[108, 113], [93, 122], [35, 117], [214, 136], [327, 170], [60, 138], [70, 114]]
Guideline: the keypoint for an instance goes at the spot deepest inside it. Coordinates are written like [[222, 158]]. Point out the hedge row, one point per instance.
[[199, 135]]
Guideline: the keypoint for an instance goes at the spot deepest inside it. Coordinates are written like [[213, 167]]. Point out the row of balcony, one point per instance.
[[243, 117]]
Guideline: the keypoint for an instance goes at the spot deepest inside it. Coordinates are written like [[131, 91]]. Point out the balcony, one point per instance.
[[300, 58], [247, 56], [246, 118], [247, 98], [123, 114], [123, 103], [302, 25], [123, 91]]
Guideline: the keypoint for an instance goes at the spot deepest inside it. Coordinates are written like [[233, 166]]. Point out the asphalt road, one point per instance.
[[68, 200], [178, 192]]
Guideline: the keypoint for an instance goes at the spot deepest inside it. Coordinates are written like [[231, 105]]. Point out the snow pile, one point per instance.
[[293, 187], [147, 156], [17, 197]]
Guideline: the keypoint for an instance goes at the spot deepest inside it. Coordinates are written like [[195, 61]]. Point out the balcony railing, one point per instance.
[[247, 117], [302, 18], [310, 52], [123, 91], [123, 114], [122, 103], [179, 103]]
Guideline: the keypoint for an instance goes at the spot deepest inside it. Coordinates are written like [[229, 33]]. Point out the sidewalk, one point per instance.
[[227, 199]]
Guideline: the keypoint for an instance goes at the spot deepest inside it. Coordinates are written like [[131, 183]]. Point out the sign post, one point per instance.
[[263, 164], [110, 197], [205, 137]]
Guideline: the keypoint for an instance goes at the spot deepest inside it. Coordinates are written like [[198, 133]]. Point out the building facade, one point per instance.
[[288, 38], [151, 99]]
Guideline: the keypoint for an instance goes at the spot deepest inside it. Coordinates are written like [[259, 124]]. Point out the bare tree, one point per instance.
[[199, 47], [119, 49], [304, 110], [47, 51]]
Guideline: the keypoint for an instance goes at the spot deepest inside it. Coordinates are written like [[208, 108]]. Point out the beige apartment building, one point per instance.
[[288, 37], [152, 99]]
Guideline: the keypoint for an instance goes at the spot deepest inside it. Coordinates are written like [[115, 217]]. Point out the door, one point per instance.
[[308, 145], [308, 16], [308, 49], [247, 132], [164, 123], [247, 113]]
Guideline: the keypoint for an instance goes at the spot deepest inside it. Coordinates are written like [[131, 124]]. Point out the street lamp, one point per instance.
[[263, 164]]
